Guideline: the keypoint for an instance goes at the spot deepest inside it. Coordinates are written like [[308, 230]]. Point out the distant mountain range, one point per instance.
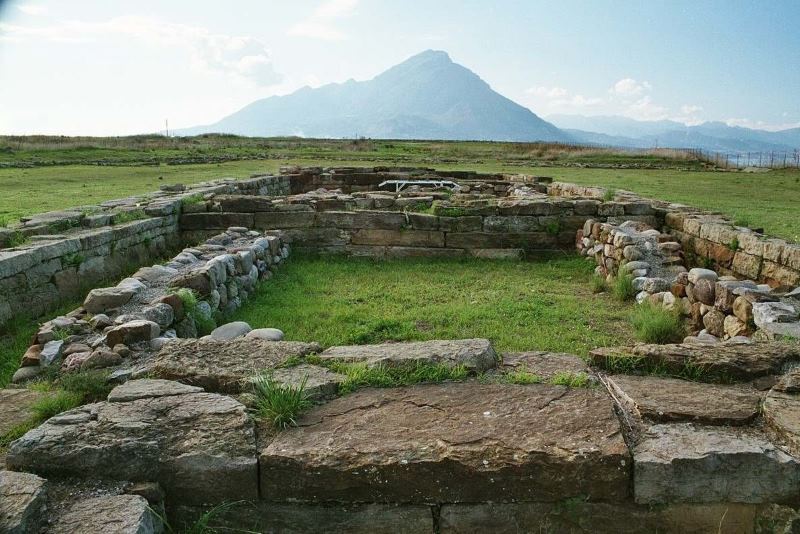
[[425, 97], [715, 136], [428, 96]]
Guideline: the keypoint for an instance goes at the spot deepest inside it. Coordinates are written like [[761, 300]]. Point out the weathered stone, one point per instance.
[[742, 362], [543, 364], [51, 352], [132, 332], [735, 327], [26, 373], [790, 381], [32, 356], [156, 273], [663, 400], [743, 310], [120, 514], [773, 312], [320, 382], [725, 295], [656, 285], [107, 298], [782, 415], [714, 321], [22, 502], [704, 291], [199, 446], [778, 331], [692, 464], [473, 354], [268, 334], [698, 274], [451, 442], [224, 366], [15, 407], [100, 359], [406, 238], [141, 389], [199, 280], [230, 331], [160, 313]]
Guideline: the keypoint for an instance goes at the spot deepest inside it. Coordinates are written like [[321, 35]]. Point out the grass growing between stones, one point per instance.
[[534, 305], [359, 375], [280, 404], [654, 324]]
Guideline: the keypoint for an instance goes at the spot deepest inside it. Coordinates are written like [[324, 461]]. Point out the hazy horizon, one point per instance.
[[94, 68]]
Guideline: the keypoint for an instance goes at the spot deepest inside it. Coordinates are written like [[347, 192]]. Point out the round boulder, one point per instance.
[[270, 334], [704, 291], [231, 331]]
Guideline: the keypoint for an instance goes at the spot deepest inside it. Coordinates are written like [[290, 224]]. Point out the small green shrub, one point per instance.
[[599, 284], [188, 298], [280, 404], [572, 380], [92, 386], [552, 228], [622, 287], [128, 216], [205, 325], [61, 333], [17, 239], [654, 324], [708, 263], [73, 260], [609, 194], [734, 244], [522, 377]]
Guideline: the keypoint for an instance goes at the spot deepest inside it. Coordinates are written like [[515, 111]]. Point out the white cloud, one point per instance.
[[560, 100], [645, 110], [321, 24], [629, 87], [761, 125], [242, 57], [35, 10]]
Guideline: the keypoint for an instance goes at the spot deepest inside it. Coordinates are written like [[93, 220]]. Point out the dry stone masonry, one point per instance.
[[702, 436]]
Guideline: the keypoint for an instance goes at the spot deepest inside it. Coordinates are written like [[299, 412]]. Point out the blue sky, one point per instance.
[[102, 68]]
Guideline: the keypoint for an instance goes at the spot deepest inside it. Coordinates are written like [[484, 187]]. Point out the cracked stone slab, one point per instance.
[[224, 366], [663, 400], [142, 389], [473, 354], [543, 364], [22, 502], [117, 514], [684, 463], [15, 407], [734, 361], [199, 446], [452, 442]]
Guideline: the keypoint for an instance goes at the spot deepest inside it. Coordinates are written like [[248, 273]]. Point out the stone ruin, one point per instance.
[[710, 442]]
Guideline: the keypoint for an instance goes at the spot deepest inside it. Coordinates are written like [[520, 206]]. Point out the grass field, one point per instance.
[[767, 200], [534, 305]]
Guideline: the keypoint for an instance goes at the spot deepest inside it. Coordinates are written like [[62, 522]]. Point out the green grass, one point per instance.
[[280, 404], [622, 288], [545, 304], [572, 380], [522, 378], [128, 216], [654, 324], [599, 284], [360, 375]]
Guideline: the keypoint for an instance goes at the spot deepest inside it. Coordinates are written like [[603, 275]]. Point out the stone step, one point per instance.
[[452, 442], [474, 354]]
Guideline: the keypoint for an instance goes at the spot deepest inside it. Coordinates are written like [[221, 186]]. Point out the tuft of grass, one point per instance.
[[52, 405], [522, 377], [203, 524], [92, 386], [73, 260], [5, 220], [17, 239], [196, 198], [622, 288], [599, 284], [610, 194], [280, 404], [654, 324], [205, 325], [360, 375], [572, 380], [552, 228], [63, 225], [128, 216], [734, 244]]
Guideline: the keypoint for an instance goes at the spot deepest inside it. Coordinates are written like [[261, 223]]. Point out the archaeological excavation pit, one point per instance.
[[401, 350]]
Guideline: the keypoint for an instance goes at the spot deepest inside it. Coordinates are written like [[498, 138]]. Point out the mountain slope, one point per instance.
[[425, 97]]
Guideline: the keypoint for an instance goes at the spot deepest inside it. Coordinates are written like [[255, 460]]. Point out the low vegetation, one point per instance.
[[280, 404], [360, 375], [624, 364], [654, 324], [622, 288], [545, 304], [572, 380]]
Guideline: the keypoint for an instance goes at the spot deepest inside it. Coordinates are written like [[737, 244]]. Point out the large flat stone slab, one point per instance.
[[199, 446], [718, 361], [473, 354], [117, 514], [453, 442], [684, 463], [15, 407], [224, 366], [782, 415], [663, 400], [543, 364], [23, 501]]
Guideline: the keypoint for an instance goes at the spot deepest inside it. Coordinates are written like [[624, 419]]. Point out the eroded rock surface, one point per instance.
[[319, 382], [729, 361], [199, 446], [22, 502], [543, 364], [692, 464], [117, 514], [473, 354], [224, 366], [782, 415], [15, 407], [665, 400], [452, 442]]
